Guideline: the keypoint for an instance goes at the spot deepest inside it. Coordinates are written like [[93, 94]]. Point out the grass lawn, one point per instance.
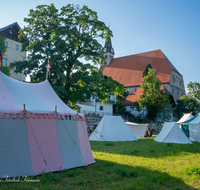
[[142, 164]]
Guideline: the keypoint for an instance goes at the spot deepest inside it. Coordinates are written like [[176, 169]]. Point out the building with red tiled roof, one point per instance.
[[128, 70]]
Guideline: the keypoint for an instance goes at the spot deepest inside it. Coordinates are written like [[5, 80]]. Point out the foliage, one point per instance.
[[187, 104], [192, 170], [67, 38], [146, 70], [194, 90], [119, 108], [154, 99], [165, 115], [4, 69]]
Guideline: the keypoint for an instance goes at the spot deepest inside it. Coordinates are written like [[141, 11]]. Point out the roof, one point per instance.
[[10, 31], [128, 70], [108, 46], [9, 26], [135, 96], [185, 117], [37, 97]]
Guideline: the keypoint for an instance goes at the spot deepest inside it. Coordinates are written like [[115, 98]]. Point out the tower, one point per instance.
[[108, 52]]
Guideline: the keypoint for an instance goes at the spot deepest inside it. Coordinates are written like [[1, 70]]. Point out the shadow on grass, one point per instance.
[[146, 147], [105, 175]]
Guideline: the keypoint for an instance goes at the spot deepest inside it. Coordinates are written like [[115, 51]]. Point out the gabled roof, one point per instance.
[[128, 70], [9, 26], [10, 31]]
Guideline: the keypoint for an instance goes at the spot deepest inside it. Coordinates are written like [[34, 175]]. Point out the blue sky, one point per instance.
[[138, 26]]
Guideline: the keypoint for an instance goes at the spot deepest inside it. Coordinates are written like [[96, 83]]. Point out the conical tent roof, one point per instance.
[[39, 138], [185, 117], [112, 128], [37, 97], [171, 133]]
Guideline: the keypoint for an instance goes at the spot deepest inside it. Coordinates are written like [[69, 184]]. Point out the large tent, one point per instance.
[[185, 117], [137, 129], [38, 132], [112, 128], [191, 128], [171, 133]]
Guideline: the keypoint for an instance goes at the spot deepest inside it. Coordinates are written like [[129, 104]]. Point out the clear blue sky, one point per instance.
[[138, 26]]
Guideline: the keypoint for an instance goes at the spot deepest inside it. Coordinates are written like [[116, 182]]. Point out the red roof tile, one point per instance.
[[128, 70], [135, 96]]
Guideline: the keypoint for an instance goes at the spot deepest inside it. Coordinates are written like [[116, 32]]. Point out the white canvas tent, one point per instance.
[[38, 132], [171, 133], [112, 128], [193, 127], [137, 129], [185, 117]]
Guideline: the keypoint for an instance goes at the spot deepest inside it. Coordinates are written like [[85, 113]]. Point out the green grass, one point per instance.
[[142, 164]]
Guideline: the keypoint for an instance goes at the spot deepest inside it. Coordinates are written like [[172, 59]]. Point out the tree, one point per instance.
[[153, 99], [194, 90], [146, 69], [4, 69], [187, 104], [66, 37], [190, 102]]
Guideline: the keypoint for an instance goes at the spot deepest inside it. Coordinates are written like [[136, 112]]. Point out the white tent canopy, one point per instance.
[[137, 129], [185, 117], [112, 128], [34, 136], [171, 133]]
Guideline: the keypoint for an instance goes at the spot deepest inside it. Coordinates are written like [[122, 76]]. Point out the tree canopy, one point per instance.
[[69, 39], [3, 69], [154, 99], [194, 90], [190, 102], [146, 69]]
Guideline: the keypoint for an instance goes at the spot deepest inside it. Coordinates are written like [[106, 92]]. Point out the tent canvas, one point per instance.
[[185, 117], [112, 128], [171, 133], [137, 129], [192, 126], [38, 132]]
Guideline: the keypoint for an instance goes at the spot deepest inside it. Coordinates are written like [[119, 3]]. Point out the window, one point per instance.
[[101, 108], [17, 48], [6, 44], [4, 62], [10, 31]]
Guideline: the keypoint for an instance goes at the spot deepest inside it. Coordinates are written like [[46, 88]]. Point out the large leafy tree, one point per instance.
[[190, 102], [194, 90], [67, 37], [154, 99], [3, 69], [187, 104]]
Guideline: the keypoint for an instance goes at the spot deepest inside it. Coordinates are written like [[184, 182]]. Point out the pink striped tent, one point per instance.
[[38, 132]]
